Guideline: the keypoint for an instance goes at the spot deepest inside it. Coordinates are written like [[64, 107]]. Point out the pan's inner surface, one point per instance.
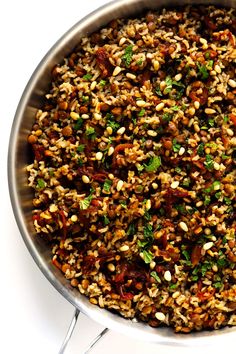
[[19, 157]]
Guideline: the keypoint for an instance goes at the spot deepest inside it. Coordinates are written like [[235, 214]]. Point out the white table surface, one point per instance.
[[34, 317]]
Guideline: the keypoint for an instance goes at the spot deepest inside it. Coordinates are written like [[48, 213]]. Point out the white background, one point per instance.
[[33, 316]]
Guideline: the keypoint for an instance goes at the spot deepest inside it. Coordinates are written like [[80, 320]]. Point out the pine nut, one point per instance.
[[121, 131], [110, 151], [119, 185], [167, 275], [141, 103], [85, 179], [183, 226], [99, 155], [160, 106], [232, 83], [174, 184], [74, 115], [116, 71], [207, 245], [124, 248], [160, 316], [210, 111]]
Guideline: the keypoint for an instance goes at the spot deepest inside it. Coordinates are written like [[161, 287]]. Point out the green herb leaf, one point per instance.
[[147, 256], [90, 133], [131, 229], [173, 286], [102, 83], [148, 232], [153, 165], [40, 183], [85, 203], [78, 124], [200, 149], [218, 284], [156, 277], [207, 200], [209, 162], [175, 108], [85, 99], [227, 201], [158, 91], [202, 71], [80, 162], [226, 119], [186, 255], [166, 117], [107, 185], [80, 148], [175, 145], [139, 61], [106, 220], [127, 57], [142, 112], [88, 76]]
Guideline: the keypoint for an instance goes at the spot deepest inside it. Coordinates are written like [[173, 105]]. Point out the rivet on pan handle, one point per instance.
[[71, 330]]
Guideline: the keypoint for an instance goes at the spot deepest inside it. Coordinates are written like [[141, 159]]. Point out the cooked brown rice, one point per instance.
[[134, 168]]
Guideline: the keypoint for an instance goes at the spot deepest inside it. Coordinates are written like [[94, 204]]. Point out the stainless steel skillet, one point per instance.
[[21, 196]]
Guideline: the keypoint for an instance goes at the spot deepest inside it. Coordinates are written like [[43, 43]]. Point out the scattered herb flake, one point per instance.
[[200, 149], [147, 256], [209, 162], [90, 133], [40, 183], [102, 83], [202, 71], [106, 220], [88, 76], [156, 277], [107, 185], [80, 148], [142, 112], [154, 164], [127, 57], [175, 145], [78, 124]]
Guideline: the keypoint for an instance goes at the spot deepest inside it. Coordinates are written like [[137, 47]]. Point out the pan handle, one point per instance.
[[71, 330]]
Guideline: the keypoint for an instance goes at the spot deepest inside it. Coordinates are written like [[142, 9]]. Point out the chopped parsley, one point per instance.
[[85, 203], [78, 124], [107, 185], [186, 255], [155, 276], [85, 99], [158, 91], [127, 57], [90, 133], [111, 122], [202, 71], [166, 117], [200, 149], [131, 229], [153, 165], [80, 148], [209, 162], [226, 119], [139, 62], [88, 76], [102, 83], [207, 200], [106, 220], [147, 256], [40, 183], [175, 146], [141, 113]]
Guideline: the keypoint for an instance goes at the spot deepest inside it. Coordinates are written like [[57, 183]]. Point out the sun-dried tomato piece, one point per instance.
[[102, 58]]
